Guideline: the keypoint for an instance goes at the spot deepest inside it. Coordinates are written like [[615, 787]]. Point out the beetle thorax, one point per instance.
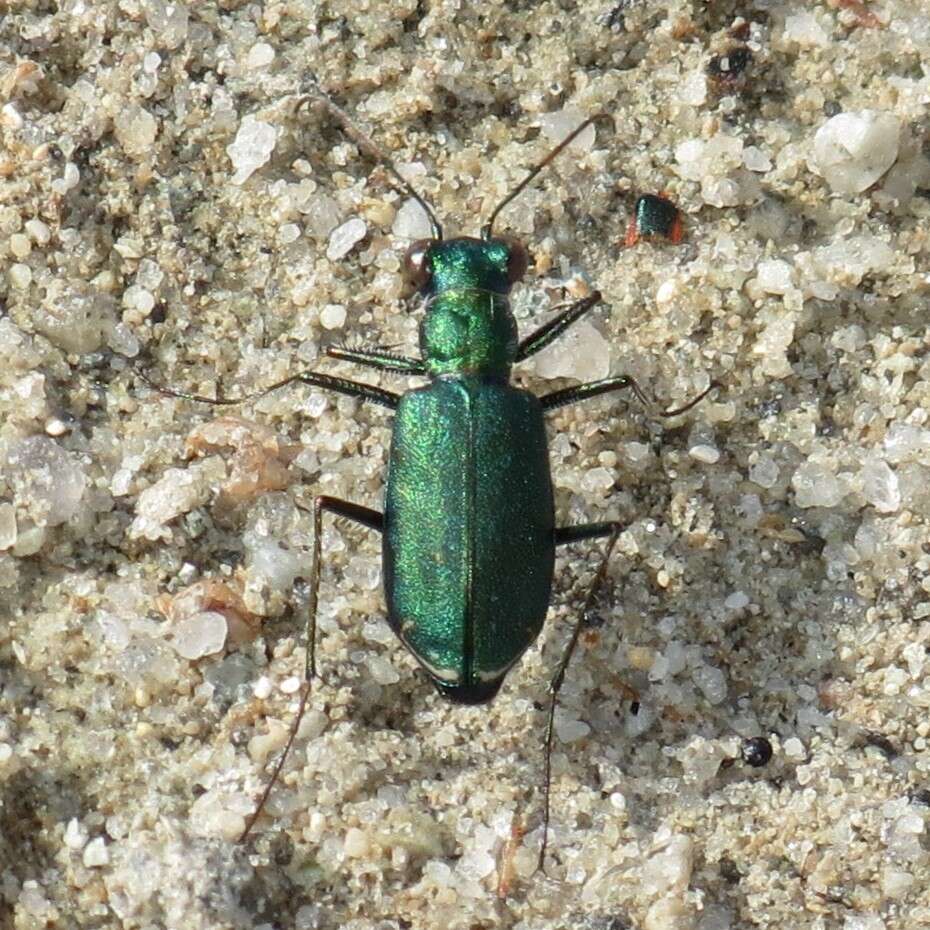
[[468, 327], [469, 331]]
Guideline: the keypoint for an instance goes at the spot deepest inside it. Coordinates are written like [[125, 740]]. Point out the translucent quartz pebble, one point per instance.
[[880, 486], [853, 150], [582, 353], [200, 635], [411, 221], [252, 147], [48, 482], [345, 237]]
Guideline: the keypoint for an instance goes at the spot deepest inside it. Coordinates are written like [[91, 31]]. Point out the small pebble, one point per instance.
[[728, 68], [7, 526], [598, 479], [138, 299], [582, 354], [46, 479], [345, 237], [20, 245], [559, 125], [200, 635], [169, 21], [40, 233], [853, 150], [260, 56], [68, 180], [11, 117], [816, 485], [356, 843], [804, 29], [75, 834], [712, 683], [135, 130], [263, 745], [756, 160], [569, 729], [880, 486], [288, 233], [669, 869], [252, 148], [756, 751], [702, 452], [847, 261], [20, 275], [775, 276], [411, 221], [736, 601], [764, 472], [95, 853], [333, 316], [904, 442], [177, 491], [382, 671]]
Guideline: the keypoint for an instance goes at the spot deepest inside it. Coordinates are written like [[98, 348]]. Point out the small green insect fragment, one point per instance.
[[654, 215]]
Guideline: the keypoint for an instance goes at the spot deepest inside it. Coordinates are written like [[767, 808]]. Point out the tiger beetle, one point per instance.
[[468, 528]]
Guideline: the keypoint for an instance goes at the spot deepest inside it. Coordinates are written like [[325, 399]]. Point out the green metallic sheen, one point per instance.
[[468, 327], [655, 216], [469, 538], [466, 263]]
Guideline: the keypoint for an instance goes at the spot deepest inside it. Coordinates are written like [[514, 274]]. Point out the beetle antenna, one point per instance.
[[373, 150], [486, 232]]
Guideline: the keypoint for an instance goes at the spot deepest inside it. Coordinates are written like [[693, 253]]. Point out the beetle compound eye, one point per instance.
[[416, 265], [517, 259]]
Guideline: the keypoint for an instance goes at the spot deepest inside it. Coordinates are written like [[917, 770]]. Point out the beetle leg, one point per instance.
[[581, 392], [369, 392], [356, 389], [556, 683], [378, 358], [339, 508], [540, 338], [581, 531], [572, 395]]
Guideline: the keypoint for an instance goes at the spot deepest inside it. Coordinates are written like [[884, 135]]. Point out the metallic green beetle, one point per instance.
[[468, 529]]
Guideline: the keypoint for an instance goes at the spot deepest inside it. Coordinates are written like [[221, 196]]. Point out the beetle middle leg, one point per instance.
[[373, 520], [572, 395], [367, 517], [369, 392]]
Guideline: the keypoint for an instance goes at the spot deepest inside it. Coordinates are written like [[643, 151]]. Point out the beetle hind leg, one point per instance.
[[367, 517], [566, 535], [581, 531]]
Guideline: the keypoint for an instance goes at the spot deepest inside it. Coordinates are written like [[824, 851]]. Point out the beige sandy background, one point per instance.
[[166, 204]]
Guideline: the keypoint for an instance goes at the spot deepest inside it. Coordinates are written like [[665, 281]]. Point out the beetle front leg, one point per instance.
[[543, 336], [384, 359], [339, 508]]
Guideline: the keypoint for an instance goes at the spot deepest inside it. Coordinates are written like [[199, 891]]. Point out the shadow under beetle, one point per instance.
[[468, 529]]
